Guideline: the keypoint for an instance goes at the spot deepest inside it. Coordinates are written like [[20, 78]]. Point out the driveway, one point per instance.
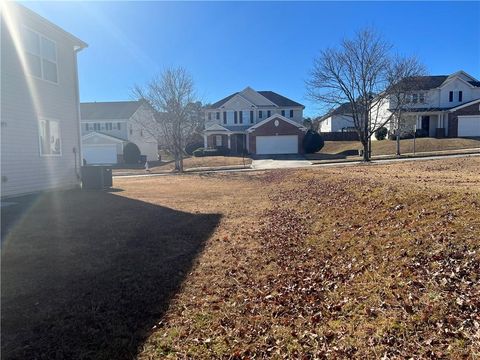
[[280, 163]]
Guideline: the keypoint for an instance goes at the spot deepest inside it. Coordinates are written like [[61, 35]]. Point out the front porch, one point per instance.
[[431, 124], [237, 143]]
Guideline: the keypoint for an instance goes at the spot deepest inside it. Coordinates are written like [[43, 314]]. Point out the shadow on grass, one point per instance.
[[86, 275]]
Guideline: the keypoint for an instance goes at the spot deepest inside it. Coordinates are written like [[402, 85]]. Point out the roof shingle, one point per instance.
[[108, 110]]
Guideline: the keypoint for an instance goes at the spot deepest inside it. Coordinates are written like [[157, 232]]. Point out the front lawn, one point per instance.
[[343, 149], [189, 164], [355, 262]]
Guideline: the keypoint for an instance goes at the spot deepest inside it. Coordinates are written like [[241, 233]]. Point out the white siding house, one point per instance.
[[120, 123], [40, 130]]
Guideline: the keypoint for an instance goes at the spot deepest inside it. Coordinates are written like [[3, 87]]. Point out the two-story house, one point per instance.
[[436, 106], [257, 122], [442, 105], [40, 121], [108, 126]]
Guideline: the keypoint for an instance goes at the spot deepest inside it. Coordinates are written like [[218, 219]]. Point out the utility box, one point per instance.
[[96, 177]]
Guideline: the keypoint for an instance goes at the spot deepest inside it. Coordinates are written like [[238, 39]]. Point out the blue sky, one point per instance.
[[266, 45]]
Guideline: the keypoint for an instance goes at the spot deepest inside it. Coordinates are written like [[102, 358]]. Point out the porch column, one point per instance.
[[228, 137], [205, 142], [247, 142]]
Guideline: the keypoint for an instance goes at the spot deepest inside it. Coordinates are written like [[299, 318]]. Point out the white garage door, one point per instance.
[[282, 144], [100, 154], [469, 125]]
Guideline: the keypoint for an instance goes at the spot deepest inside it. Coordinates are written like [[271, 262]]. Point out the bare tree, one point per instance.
[[172, 96], [362, 72]]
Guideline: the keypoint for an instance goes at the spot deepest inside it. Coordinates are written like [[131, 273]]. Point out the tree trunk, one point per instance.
[[366, 156], [398, 142]]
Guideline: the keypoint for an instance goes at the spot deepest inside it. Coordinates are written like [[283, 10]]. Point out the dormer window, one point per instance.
[[460, 96]]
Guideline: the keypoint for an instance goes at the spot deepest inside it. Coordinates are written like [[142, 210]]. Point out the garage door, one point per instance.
[[282, 144], [100, 154], [469, 125]]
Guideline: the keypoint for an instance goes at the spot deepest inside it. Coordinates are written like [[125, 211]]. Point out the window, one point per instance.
[[41, 55], [131, 130], [87, 127], [118, 126], [108, 126], [224, 117], [218, 140], [450, 96], [421, 98], [291, 113], [50, 143], [235, 117], [283, 112], [414, 98], [251, 117], [209, 116], [241, 117], [268, 113], [217, 115], [96, 126], [460, 96], [260, 114]]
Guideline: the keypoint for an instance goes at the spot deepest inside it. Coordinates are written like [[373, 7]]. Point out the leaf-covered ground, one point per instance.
[[371, 261]]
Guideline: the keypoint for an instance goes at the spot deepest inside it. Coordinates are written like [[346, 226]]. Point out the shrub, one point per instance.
[[131, 153], [381, 133], [192, 146], [421, 133], [199, 152], [312, 142]]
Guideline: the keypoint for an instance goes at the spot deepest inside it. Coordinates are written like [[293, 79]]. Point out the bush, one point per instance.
[[131, 153], [381, 133], [199, 152], [420, 133], [312, 142], [191, 147]]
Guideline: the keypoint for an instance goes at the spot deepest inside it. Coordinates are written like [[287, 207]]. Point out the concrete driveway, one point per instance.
[[284, 162]]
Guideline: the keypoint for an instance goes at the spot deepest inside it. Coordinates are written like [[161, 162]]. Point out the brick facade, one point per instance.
[[269, 129], [473, 109]]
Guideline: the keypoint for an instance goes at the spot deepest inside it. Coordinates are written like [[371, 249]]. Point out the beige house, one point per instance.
[[40, 121]]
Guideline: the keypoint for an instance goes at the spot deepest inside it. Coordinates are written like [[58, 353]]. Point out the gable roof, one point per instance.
[[273, 117], [102, 135], [108, 110], [272, 96]]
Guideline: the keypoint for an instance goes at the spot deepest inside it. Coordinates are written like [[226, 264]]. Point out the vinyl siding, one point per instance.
[[25, 99]]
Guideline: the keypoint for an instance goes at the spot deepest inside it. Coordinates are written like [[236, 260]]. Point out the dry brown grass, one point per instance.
[[350, 262], [388, 147], [189, 164]]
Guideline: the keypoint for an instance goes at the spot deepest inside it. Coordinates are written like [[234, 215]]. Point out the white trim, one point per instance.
[[462, 72], [94, 133], [233, 97], [468, 116], [471, 102], [216, 127], [449, 80], [276, 116]]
